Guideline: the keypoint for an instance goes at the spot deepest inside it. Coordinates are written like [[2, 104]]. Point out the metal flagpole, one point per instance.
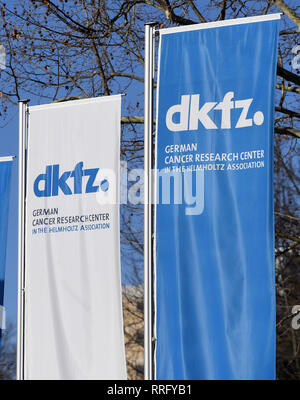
[[148, 130], [21, 235]]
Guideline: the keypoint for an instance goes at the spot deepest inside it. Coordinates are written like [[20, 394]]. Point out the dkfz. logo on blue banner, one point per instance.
[[68, 182], [190, 113]]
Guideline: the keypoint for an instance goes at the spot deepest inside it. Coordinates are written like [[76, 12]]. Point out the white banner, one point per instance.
[[73, 301]]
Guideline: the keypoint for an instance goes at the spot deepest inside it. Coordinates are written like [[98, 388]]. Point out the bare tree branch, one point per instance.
[[288, 11]]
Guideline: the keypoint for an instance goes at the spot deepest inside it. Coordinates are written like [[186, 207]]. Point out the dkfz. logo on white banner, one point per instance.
[[185, 188], [80, 180], [191, 112]]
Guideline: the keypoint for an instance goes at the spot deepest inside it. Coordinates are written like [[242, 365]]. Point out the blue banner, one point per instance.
[[215, 288], [5, 177]]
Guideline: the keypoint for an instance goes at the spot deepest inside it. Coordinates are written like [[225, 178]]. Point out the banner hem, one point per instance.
[[220, 24], [74, 102], [7, 158]]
